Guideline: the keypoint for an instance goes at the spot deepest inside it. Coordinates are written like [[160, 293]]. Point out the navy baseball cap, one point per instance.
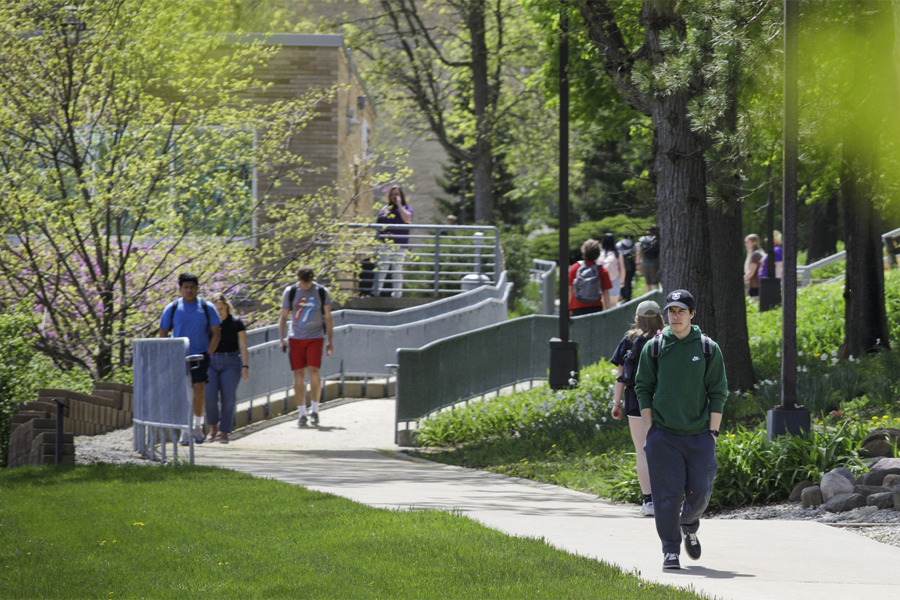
[[681, 299]]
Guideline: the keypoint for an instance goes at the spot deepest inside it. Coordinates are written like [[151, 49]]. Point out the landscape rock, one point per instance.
[[798, 489], [887, 463], [896, 499], [880, 442], [868, 490], [876, 475], [834, 484], [881, 500], [811, 496], [845, 502], [846, 473], [860, 514], [890, 481]]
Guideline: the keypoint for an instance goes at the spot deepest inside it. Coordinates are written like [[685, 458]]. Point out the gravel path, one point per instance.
[[880, 525]]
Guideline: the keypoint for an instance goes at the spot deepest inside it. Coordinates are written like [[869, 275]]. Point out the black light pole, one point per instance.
[[789, 418], [563, 352]]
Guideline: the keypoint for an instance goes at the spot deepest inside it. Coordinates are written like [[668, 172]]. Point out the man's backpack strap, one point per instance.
[[201, 304], [322, 297], [174, 307], [706, 343], [292, 293], [655, 345]]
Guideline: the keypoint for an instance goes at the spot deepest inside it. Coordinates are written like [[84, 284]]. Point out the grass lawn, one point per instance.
[[585, 465], [197, 532]]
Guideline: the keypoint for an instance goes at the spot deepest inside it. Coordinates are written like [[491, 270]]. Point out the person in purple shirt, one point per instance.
[[779, 257], [396, 212]]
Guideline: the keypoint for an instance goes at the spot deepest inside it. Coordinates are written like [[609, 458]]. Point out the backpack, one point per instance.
[[650, 246], [587, 283], [632, 358], [200, 303], [705, 343], [292, 293]]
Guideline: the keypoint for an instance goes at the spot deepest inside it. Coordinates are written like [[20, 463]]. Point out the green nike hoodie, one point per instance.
[[680, 387]]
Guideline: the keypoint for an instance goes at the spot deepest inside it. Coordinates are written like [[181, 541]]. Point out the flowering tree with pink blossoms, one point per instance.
[[127, 145]]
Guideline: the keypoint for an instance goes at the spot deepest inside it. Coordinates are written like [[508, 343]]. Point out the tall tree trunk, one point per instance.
[[679, 171], [865, 319], [482, 163], [726, 230], [824, 228]]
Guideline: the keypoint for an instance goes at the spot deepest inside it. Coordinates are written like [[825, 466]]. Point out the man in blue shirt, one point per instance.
[[197, 320]]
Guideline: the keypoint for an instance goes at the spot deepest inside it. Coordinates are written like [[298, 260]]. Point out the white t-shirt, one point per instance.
[[611, 262]]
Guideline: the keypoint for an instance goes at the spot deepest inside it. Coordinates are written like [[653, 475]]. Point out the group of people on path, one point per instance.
[[671, 386], [214, 333], [605, 274], [305, 320]]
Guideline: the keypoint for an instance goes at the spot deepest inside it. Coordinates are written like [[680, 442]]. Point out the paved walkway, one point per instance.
[[352, 455]]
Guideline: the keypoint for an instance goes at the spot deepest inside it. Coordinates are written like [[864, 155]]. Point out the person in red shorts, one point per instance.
[[590, 250], [308, 307]]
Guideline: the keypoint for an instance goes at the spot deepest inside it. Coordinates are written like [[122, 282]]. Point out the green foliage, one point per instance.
[[753, 470], [546, 246], [569, 415], [23, 372], [820, 326], [528, 302], [215, 532], [141, 168], [518, 261]]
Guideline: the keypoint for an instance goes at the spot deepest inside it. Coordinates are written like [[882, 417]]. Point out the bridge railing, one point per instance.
[[475, 363]]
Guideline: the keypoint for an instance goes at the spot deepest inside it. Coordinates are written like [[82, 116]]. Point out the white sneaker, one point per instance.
[[647, 509]]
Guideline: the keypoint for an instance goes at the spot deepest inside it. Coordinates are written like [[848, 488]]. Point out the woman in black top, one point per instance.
[[647, 322], [227, 367]]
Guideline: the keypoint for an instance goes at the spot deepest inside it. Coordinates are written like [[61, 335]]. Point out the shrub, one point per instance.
[[579, 412], [546, 246], [517, 261], [753, 470], [23, 371]]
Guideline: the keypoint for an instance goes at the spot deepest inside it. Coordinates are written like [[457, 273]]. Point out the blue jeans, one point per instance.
[[681, 467], [224, 376]]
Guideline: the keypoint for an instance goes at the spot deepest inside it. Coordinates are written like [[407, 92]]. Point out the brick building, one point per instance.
[[340, 133]]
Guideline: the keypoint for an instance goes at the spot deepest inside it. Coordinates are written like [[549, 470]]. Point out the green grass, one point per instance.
[[195, 532]]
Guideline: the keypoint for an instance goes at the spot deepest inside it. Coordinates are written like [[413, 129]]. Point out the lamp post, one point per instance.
[[789, 418], [563, 352]]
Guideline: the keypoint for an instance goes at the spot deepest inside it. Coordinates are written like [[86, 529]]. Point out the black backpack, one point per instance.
[[201, 303], [632, 358], [292, 293], [650, 247]]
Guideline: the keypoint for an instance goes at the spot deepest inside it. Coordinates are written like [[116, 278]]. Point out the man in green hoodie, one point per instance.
[[681, 390]]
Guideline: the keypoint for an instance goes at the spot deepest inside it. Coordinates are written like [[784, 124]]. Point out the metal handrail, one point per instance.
[[468, 365], [422, 265], [546, 270], [805, 271]]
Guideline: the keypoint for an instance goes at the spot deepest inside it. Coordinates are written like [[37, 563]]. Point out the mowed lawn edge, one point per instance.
[[108, 531]]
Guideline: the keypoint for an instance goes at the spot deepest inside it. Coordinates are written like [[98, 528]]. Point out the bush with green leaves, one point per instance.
[[517, 260], [820, 326], [579, 412], [546, 246], [23, 371], [754, 470]]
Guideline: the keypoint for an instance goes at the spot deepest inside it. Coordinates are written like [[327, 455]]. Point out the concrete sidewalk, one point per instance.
[[352, 456]]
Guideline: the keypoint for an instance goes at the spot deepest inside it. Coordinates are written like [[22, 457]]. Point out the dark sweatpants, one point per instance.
[[681, 466]]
